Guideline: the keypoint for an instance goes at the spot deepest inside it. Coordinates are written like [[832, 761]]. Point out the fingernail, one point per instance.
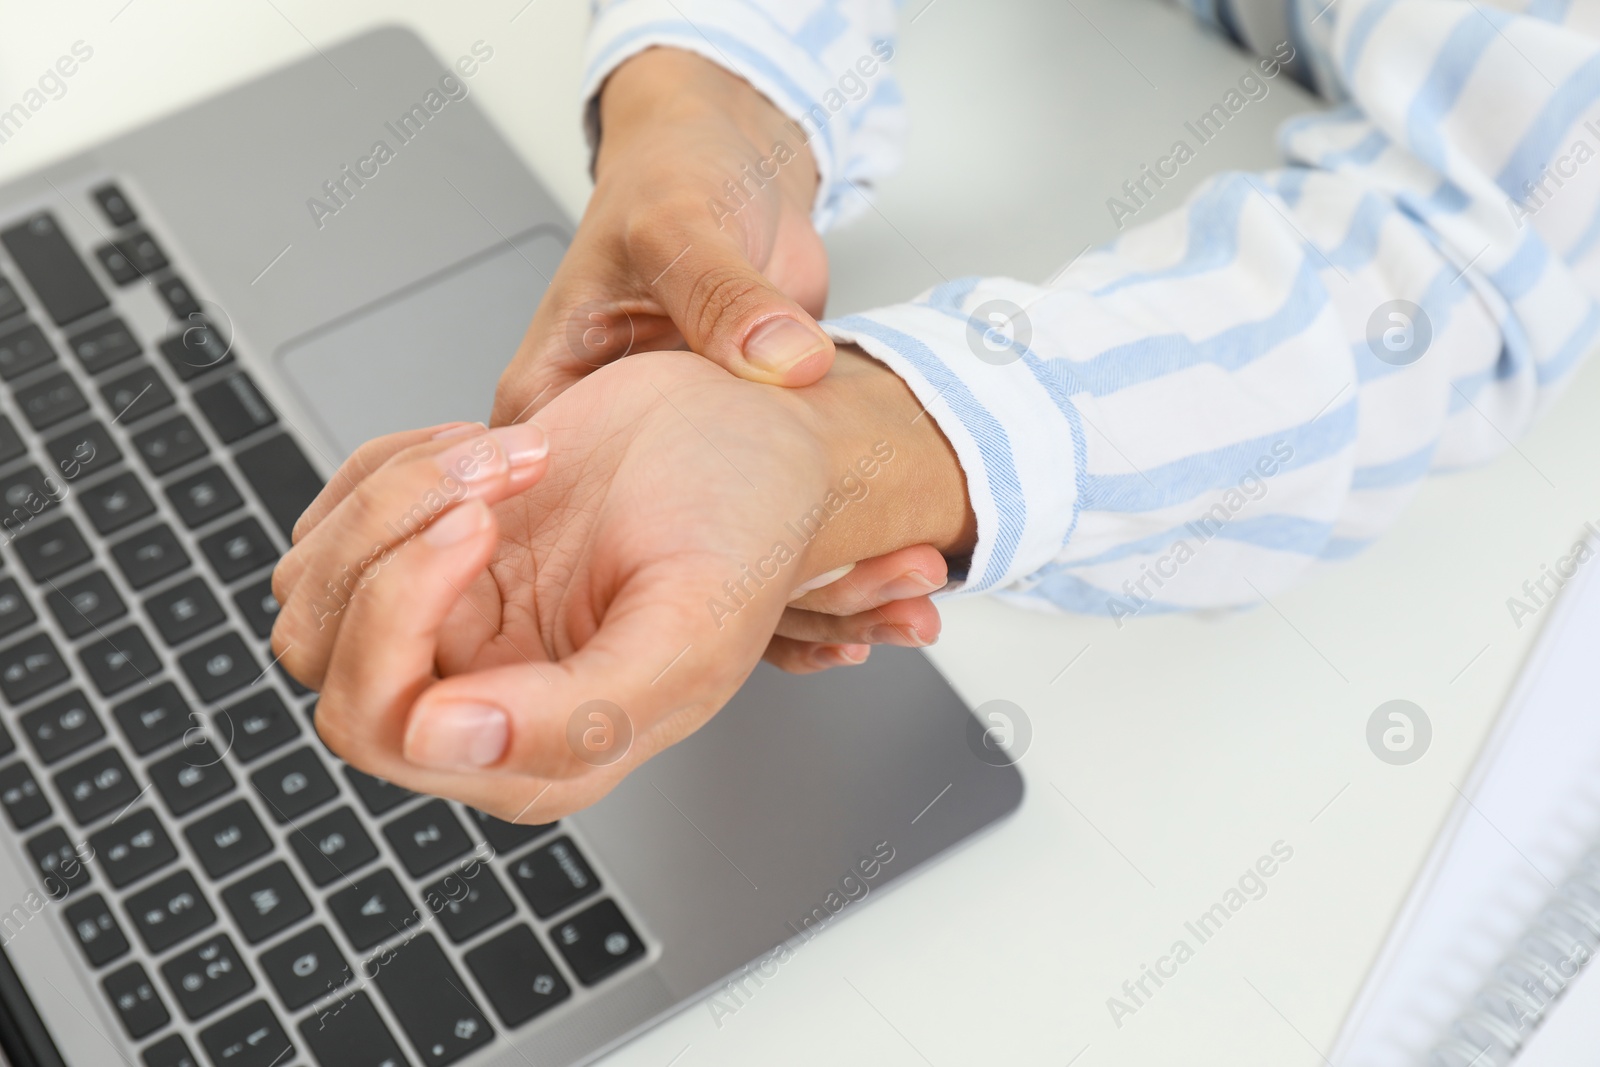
[[821, 580], [457, 736], [855, 654], [909, 585], [778, 344], [456, 525], [461, 430], [523, 443]]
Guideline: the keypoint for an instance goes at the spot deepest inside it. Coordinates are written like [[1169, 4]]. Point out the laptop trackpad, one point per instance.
[[428, 354]]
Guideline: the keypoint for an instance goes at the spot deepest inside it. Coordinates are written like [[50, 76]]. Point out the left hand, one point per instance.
[[637, 563]]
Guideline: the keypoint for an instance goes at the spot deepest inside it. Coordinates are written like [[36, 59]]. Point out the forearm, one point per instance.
[[1210, 399]]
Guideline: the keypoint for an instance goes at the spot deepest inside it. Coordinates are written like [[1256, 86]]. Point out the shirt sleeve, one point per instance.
[[1247, 389], [826, 64]]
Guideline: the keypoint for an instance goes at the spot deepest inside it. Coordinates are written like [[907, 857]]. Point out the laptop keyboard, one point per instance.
[[233, 885]]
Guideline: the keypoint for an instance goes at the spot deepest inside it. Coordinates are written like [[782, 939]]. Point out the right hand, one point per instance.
[[658, 264]]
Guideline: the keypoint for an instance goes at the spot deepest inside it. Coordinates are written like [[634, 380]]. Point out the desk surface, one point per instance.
[[1167, 756]]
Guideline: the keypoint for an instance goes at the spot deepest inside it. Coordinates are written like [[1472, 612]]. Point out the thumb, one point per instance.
[[730, 313]]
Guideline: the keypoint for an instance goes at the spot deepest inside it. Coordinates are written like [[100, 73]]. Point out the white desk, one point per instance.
[[1186, 746]]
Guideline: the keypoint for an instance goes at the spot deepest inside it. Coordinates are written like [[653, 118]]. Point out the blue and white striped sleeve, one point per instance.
[[1230, 396], [826, 64]]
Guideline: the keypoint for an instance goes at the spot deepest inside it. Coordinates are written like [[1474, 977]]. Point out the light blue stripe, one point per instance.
[[1402, 471], [993, 442], [1547, 136], [1182, 480], [1280, 533], [1452, 68], [1213, 240], [1361, 33], [1564, 359], [1517, 276]]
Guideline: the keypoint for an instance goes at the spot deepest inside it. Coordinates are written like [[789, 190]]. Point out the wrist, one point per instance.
[[667, 99], [893, 475]]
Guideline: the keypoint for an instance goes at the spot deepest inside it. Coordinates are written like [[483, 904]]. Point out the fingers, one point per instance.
[[806, 657], [911, 572], [342, 554], [362, 462], [729, 312], [908, 623]]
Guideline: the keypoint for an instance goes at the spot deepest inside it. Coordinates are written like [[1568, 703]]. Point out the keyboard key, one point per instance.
[[83, 451], [250, 1037], [20, 795], [7, 746], [23, 350], [10, 303], [15, 613], [53, 400], [351, 1033], [235, 407], [97, 785], [372, 909], [553, 877], [169, 911], [518, 975], [114, 205], [432, 1003], [60, 727], [333, 847], [204, 496], [282, 477], [150, 555], [102, 347], [266, 901], [178, 297], [11, 443], [259, 606], [219, 667], [236, 550], [256, 725], [597, 942], [294, 785], [97, 931], [305, 967], [137, 394], [468, 902], [186, 610], [52, 549], [125, 658], [59, 862], [85, 604], [138, 250], [206, 977], [200, 347], [154, 718], [228, 838], [191, 776], [505, 837], [27, 494], [117, 264], [29, 667], [53, 269], [427, 837], [137, 1003], [115, 503], [377, 794], [169, 445], [170, 1051], [132, 847]]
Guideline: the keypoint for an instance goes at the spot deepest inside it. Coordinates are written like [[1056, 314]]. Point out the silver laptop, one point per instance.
[[198, 320]]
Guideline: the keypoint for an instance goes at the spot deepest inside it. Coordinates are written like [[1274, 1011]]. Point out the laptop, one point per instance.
[[198, 320]]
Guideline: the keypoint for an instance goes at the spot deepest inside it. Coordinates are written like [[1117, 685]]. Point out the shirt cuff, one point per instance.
[[738, 38], [1018, 439]]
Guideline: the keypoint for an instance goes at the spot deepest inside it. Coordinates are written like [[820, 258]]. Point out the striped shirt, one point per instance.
[[1236, 393]]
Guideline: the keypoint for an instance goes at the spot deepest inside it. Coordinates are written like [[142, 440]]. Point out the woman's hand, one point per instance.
[[673, 516], [698, 235]]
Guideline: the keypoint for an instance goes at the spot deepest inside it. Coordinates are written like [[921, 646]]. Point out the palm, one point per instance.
[[600, 535]]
